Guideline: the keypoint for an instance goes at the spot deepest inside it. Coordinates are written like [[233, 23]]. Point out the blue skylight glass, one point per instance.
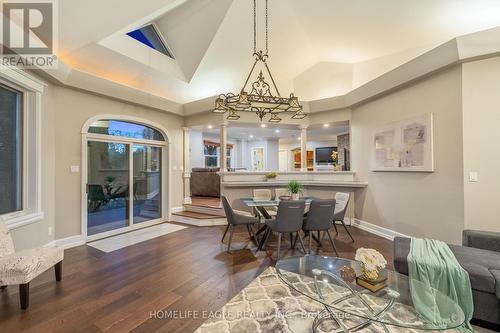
[[149, 36]]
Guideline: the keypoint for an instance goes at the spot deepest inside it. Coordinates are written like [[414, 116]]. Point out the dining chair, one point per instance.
[[234, 219], [262, 194], [342, 201], [319, 218], [281, 192], [288, 220]]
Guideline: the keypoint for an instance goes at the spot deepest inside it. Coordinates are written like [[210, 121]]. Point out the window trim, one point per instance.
[[31, 89]]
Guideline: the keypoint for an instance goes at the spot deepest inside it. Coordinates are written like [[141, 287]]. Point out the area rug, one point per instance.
[[134, 237], [267, 305]]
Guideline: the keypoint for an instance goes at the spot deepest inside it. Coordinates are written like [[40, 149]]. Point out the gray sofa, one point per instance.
[[205, 182], [479, 255]]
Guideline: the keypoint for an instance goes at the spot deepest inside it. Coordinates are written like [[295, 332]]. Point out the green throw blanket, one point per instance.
[[433, 264]]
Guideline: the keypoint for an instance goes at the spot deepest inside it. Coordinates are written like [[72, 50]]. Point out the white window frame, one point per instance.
[[31, 89], [218, 157]]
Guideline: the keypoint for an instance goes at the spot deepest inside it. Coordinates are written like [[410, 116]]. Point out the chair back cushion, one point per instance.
[[262, 194], [341, 202], [290, 215], [6, 244], [320, 215], [228, 210], [281, 192]]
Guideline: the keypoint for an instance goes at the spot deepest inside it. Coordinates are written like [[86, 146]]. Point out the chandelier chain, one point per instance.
[[254, 27], [267, 38]]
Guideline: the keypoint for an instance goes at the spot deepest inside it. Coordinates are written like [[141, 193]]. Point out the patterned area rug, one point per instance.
[[267, 305]]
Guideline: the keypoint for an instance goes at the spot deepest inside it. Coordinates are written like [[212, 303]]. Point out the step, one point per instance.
[[209, 210], [198, 219]]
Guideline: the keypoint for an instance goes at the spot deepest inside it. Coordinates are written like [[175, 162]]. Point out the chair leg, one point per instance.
[[24, 295], [225, 232], [292, 244], [58, 271], [301, 242], [333, 243], [230, 239], [335, 226], [310, 237], [279, 245], [268, 236], [345, 227]]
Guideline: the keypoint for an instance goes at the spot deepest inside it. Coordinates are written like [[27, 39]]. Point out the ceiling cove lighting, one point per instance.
[[149, 36], [264, 99]]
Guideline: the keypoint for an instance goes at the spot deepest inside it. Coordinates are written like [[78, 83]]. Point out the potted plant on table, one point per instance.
[[294, 187]]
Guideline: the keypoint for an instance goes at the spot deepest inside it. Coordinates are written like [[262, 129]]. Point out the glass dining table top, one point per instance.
[[403, 302], [251, 202]]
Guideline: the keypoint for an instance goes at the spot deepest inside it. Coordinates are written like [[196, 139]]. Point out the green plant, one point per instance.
[[294, 186], [109, 179], [271, 175]]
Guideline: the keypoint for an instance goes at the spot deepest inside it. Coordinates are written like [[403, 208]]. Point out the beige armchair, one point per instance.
[[23, 266]]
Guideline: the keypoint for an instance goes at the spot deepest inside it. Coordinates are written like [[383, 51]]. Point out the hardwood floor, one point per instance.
[[205, 201], [188, 270]]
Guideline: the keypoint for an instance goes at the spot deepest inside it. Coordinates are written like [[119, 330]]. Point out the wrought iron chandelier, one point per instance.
[[262, 99]]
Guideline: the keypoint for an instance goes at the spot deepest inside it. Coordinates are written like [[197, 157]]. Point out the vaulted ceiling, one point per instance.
[[318, 48]]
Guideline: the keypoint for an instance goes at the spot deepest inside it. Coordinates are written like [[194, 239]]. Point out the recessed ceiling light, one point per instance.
[[263, 125], [326, 125], [210, 127], [251, 136], [299, 138], [276, 130]]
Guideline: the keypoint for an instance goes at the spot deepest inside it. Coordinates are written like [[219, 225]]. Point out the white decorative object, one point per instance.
[[372, 260], [295, 196], [406, 145]]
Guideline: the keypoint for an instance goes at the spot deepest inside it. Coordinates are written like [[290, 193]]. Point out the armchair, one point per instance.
[[23, 266]]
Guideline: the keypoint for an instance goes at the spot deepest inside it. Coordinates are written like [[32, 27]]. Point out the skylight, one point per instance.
[[149, 36]]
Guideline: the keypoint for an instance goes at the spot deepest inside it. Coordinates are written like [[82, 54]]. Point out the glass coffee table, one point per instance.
[[349, 307]]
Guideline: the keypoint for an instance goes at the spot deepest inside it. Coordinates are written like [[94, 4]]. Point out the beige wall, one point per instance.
[[481, 119], [73, 108], [64, 112], [416, 204]]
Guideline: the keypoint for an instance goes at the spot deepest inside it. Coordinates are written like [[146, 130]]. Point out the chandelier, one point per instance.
[[264, 99]]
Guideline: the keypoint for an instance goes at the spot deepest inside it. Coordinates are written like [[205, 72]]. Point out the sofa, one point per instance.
[[479, 255], [205, 182]]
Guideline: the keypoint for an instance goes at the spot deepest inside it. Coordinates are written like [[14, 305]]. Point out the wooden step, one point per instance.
[[196, 215], [198, 219], [204, 209]]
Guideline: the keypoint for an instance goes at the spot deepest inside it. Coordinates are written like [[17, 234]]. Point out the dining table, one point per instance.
[[263, 207]]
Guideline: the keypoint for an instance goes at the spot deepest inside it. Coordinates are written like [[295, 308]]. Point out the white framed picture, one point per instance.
[[405, 145]]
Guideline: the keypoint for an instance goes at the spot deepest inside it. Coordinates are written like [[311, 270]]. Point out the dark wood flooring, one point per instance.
[[188, 270]]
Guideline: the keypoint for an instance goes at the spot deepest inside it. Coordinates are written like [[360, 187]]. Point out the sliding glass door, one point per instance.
[[107, 186], [125, 181], [147, 183]]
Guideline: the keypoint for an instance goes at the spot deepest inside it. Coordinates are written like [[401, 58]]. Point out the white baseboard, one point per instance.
[[377, 230], [69, 242]]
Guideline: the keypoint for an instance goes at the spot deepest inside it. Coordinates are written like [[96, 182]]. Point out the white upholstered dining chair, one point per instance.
[[23, 266]]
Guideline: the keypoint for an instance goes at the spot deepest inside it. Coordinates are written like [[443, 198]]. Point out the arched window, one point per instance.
[[125, 129]]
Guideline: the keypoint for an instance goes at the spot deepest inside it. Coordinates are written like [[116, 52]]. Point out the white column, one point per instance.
[[303, 148], [187, 167], [223, 147]]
